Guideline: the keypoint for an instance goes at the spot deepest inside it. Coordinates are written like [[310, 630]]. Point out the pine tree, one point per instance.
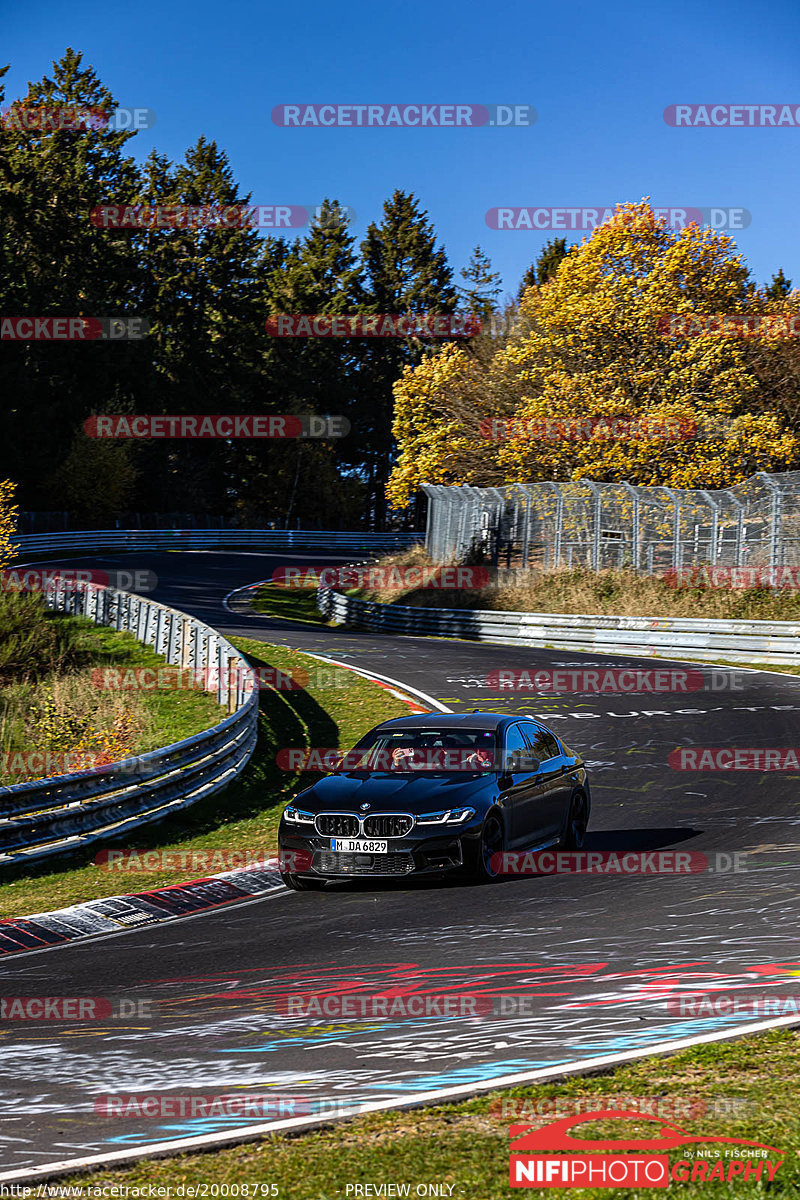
[[548, 262], [205, 300], [780, 287], [54, 262], [405, 272], [316, 275], [528, 280], [483, 286]]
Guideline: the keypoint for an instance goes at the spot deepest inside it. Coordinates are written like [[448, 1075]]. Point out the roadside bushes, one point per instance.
[[33, 640]]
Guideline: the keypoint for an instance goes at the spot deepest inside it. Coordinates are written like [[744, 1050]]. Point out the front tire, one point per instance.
[[303, 883], [577, 822], [492, 842]]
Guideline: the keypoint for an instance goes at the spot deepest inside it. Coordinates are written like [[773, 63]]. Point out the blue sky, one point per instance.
[[599, 77]]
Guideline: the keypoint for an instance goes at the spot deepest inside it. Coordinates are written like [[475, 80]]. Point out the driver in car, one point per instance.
[[403, 758], [478, 760]]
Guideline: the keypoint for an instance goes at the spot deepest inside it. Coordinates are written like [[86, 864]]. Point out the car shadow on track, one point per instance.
[[606, 841]]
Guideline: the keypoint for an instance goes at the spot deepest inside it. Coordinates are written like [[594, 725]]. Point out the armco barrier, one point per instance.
[[45, 817], [127, 540], [667, 637]]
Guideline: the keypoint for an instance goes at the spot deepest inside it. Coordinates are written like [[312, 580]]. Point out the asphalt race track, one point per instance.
[[596, 956]]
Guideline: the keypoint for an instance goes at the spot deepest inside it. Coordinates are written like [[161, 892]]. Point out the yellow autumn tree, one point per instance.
[[8, 523], [592, 358], [439, 407]]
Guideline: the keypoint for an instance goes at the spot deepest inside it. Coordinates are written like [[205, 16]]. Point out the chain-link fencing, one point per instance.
[[600, 525]]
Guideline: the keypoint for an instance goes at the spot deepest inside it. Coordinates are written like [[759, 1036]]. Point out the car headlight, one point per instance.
[[450, 816], [297, 816]]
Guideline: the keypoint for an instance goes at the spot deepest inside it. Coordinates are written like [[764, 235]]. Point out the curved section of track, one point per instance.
[[597, 957]]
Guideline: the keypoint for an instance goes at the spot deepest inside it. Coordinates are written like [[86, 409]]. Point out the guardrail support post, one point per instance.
[[232, 684], [186, 645]]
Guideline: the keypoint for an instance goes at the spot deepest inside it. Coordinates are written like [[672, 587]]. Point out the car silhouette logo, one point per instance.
[[556, 1135]]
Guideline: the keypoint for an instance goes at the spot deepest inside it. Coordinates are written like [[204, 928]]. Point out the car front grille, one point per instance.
[[328, 863], [337, 825], [388, 825]]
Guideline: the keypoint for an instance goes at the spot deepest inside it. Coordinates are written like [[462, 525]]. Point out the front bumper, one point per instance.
[[416, 854]]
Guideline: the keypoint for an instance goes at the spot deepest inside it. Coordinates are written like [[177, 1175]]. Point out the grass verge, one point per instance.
[[78, 711], [293, 604], [466, 1145], [335, 710]]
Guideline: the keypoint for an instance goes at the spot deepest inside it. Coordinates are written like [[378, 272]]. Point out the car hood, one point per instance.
[[390, 792]]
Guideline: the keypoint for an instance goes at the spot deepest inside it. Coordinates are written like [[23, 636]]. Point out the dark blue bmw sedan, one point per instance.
[[437, 793]]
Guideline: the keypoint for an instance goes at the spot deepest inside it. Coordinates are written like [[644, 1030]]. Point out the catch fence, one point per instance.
[[601, 525]]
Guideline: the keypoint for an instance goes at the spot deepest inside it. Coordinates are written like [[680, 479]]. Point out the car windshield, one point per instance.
[[439, 751]]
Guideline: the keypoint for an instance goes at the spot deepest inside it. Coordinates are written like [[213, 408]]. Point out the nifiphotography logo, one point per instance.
[[643, 1162]]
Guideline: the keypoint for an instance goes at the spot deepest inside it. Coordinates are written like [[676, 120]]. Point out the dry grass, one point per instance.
[[68, 715], [609, 592], [58, 708]]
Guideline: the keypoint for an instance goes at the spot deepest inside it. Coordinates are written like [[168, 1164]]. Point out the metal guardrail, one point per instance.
[[208, 539], [45, 817], [642, 637]]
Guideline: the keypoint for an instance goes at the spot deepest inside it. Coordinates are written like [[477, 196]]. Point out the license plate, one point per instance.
[[362, 845]]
